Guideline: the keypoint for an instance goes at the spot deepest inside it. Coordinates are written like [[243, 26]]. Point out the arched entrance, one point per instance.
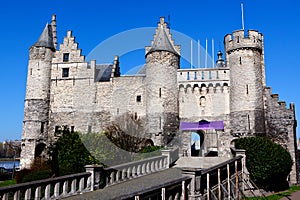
[[197, 140], [39, 149], [203, 137]]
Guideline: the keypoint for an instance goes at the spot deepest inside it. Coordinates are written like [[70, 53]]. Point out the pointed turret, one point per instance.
[[220, 62], [162, 63], [46, 38], [162, 42]]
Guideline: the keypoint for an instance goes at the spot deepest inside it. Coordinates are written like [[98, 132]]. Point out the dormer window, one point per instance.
[[66, 57], [65, 72]]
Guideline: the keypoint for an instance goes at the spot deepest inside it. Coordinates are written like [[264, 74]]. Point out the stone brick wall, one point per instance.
[[244, 57], [280, 123], [36, 108], [162, 93]]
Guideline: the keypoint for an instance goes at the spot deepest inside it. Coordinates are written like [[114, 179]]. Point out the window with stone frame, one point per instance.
[[65, 72], [66, 57]]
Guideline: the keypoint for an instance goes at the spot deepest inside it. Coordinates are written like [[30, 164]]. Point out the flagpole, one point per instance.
[[206, 53], [191, 54], [243, 23], [213, 52], [199, 53]]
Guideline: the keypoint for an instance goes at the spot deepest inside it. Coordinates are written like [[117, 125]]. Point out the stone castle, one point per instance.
[[218, 104]]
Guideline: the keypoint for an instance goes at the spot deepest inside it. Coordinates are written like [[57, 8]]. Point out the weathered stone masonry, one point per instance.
[[64, 90]]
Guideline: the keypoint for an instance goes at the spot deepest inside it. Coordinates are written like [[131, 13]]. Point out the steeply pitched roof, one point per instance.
[[162, 42], [46, 38], [103, 72]]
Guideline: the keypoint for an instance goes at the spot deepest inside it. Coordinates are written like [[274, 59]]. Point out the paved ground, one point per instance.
[[134, 186], [200, 162], [294, 196]]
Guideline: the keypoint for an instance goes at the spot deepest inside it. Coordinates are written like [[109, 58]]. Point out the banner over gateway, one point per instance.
[[202, 125]]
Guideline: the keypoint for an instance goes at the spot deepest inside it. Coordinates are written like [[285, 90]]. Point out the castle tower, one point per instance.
[[245, 57], [162, 62], [36, 109]]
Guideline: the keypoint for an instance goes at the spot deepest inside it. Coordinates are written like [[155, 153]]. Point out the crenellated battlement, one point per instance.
[[237, 40], [203, 89]]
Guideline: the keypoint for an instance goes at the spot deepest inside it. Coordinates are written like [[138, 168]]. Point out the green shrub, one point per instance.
[[71, 155], [268, 163], [37, 175], [39, 169]]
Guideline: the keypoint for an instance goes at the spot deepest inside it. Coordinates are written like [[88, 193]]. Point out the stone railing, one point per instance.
[[222, 181], [135, 169], [52, 188], [103, 177], [94, 178]]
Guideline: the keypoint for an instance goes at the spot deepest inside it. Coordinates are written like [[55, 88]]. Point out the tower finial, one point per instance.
[[54, 32]]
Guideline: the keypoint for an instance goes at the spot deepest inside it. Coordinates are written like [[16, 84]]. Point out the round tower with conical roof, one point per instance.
[[244, 57], [162, 62], [36, 109]]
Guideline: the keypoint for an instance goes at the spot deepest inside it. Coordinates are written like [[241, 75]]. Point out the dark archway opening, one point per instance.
[[39, 149], [197, 140]]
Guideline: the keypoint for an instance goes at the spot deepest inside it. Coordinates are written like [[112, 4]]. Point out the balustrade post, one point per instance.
[[163, 193], [228, 181], [56, 189], [65, 187], [37, 195], [5, 196], [28, 194], [219, 183], [73, 186], [167, 153], [183, 190], [96, 174], [47, 191], [17, 195], [81, 185], [245, 173], [207, 186]]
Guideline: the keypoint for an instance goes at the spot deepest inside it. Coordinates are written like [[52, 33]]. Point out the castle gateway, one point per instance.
[[206, 109]]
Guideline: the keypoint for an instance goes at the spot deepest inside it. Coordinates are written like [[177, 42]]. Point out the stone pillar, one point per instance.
[[167, 152], [96, 175], [195, 185]]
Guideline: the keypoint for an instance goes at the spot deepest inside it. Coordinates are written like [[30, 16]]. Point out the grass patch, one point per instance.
[[7, 183], [279, 195]]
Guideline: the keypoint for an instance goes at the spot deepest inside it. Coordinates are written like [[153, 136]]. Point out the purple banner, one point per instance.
[[202, 125]]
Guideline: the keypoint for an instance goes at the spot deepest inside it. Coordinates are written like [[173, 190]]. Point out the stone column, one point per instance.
[[96, 175]]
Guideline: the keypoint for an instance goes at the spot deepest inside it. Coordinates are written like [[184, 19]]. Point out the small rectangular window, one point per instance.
[[89, 129], [159, 93], [66, 57], [57, 129], [72, 129], [42, 127], [65, 72], [138, 98]]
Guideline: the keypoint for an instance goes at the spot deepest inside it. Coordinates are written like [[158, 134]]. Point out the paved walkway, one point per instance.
[[293, 196], [132, 187]]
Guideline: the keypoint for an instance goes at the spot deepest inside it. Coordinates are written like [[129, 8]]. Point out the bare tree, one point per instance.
[[127, 132]]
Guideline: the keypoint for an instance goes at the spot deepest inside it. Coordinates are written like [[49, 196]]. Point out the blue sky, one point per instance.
[[93, 21]]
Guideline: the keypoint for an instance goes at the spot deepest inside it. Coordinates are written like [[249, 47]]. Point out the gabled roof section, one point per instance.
[[163, 39], [46, 38], [103, 72]]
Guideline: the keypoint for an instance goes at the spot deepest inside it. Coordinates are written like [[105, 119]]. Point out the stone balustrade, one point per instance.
[[135, 169], [52, 188], [94, 178], [127, 171]]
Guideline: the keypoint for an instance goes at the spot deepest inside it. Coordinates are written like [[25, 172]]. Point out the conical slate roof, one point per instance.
[[46, 38], [162, 42]]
